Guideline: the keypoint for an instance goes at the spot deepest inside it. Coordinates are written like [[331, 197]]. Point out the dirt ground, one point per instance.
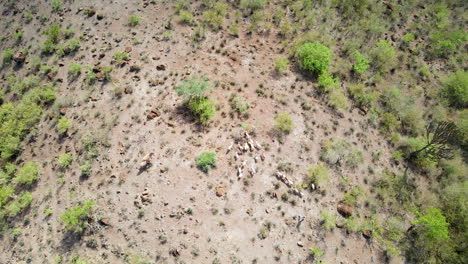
[[184, 220]]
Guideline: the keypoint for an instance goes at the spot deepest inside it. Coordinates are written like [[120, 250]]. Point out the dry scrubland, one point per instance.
[[243, 131]]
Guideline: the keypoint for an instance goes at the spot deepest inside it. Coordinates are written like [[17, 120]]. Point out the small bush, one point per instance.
[[313, 57], [363, 95], [281, 64], [327, 82], [40, 95], [63, 125], [455, 89], [64, 160], [120, 57], [361, 64], [338, 100], [206, 161], [76, 218], [389, 122], [384, 56], [240, 106], [327, 220], [133, 20], [56, 5], [253, 4], [202, 108], [340, 151], [47, 48], [7, 56], [318, 175], [446, 42], [86, 169], [27, 174], [18, 205], [53, 33], [185, 17], [284, 123], [74, 69], [215, 16]]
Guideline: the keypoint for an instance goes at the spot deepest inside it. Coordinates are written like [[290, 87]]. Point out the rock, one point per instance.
[[367, 234], [128, 49], [63, 110], [19, 57], [105, 221], [100, 16], [153, 114], [340, 224], [220, 191], [134, 68], [344, 209], [161, 67], [90, 12], [300, 244], [128, 90]]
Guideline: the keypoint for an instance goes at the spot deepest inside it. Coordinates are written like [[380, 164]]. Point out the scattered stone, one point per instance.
[[344, 209], [153, 114], [300, 244], [146, 161], [128, 49], [105, 221], [340, 224]]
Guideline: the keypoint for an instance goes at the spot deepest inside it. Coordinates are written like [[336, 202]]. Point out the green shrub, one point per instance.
[[215, 16], [408, 38], [193, 87], [185, 17], [239, 105], [35, 63], [455, 89], [318, 175], [6, 192], [21, 86], [27, 174], [120, 57], [361, 64], [445, 42], [363, 96], [28, 16], [339, 151], [15, 122], [352, 197], [18, 36], [86, 169], [18, 205], [206, 161], [56, 5], [338, 100], [47, 48], [317, 253], [202, 108], [421, 159], [106, 71], [63, 125], [327, 220], [313, 57], [76, 218], [284, 123], [133, 20], [74, 69], [389, 122], [64, 160], [7, 56], [384, 56], [281, 64], [327, 82], [53, 33], [40, 95], [234, 29], [433, 225], [73, 45], [253, 4]]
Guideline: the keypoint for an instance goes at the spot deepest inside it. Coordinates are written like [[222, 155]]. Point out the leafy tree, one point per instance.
[[76, 218], [206, 161], [313, 57], [433, 226], [455, 89], [437, 142], [193, 90]]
